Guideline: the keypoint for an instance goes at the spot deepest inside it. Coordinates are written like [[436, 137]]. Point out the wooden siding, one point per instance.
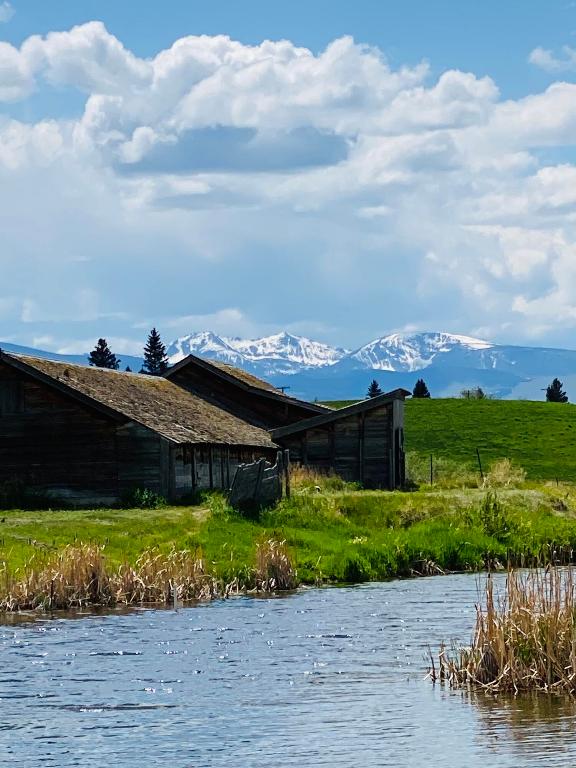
[[362, 447], [55, 446], [206, 467], [140, 460]]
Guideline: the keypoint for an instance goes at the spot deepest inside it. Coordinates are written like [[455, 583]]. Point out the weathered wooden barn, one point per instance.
[[246, 395], [90, 435], [363, 442]]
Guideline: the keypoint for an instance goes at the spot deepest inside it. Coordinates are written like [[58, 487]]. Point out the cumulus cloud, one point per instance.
[[252, 187]]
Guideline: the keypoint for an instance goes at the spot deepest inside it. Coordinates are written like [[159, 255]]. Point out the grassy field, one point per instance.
[[339, 534], [334, 536], [539, 436]]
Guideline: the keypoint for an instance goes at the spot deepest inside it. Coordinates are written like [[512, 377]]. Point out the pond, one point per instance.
[[323, 677]]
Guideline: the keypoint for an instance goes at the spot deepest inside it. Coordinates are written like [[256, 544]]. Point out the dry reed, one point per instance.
[[524, 640], [274, 569], [80, 576]]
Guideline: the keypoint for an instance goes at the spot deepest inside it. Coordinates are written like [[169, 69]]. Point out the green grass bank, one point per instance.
[[331, 537]]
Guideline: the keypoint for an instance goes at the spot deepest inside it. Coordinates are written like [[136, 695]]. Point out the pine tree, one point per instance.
[[155, 359], [103, 357], [128, 369], [374, 389], [420, 389], [555, 393]]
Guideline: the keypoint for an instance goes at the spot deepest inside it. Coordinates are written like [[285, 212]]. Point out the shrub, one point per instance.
[[143, 498], [504, 474]]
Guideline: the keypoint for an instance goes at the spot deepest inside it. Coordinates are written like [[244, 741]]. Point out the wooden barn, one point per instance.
[[363, 442], [91, 435], [245, 395]]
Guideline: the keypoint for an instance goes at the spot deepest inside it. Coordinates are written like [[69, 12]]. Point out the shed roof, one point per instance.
[[245, 380], [340, 413], [152, 401]]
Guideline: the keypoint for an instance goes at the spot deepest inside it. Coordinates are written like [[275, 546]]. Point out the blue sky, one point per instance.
[[389, 166]]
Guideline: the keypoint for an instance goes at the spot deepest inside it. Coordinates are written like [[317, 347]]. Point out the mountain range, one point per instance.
[[315, 370]]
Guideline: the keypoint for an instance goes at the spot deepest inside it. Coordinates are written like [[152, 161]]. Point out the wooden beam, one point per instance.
[[361, 447], [211, 466]]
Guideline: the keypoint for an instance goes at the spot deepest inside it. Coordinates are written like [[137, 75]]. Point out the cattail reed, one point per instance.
[[524, 639], [274, 569], [79, 576]]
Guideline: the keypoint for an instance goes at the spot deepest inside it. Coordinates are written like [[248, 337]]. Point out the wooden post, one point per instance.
[[287, 471], [332, 447], [222, 469], [194, 469], [211, 467], [228, 467], [480, 465], [258, 483], [361, 448]]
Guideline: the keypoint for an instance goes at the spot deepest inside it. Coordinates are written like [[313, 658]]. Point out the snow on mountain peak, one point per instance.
[[206, 344], [285, 346], [413, 351], [285, 353]]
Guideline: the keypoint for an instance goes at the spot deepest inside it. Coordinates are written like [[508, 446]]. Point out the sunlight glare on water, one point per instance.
[[324, 677]]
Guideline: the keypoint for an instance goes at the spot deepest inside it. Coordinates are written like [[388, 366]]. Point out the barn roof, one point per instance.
[[152, 401], [341, 413], [245, 380]]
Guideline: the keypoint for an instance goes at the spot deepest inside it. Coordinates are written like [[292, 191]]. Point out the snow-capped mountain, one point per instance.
[[284, 347], [310, 369], [204, 344], [413, 352], [281, 353]]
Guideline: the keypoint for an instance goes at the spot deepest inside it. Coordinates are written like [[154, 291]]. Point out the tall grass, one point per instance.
[[79, 575], [312, 480], [446, 473], [274, 569], [524, 640]]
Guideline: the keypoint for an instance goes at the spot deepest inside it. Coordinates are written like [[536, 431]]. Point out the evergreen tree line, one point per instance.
[[155, 357], [554, 392]]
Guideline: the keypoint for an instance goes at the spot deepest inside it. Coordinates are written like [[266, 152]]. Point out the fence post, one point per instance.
[[480, 465], [431, 469], [287, 471]]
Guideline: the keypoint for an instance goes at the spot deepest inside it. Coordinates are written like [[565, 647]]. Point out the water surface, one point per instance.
[[327, 677]]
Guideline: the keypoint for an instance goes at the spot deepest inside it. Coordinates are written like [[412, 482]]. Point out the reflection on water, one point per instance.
[[330, 677], [545, 724]]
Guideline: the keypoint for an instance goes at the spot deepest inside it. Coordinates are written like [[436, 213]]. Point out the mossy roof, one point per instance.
[[152, 401]]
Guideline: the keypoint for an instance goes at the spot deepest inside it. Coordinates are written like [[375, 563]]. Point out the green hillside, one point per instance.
[[540, 437]]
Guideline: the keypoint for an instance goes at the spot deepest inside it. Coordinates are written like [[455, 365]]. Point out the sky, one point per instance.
[[334, 169]]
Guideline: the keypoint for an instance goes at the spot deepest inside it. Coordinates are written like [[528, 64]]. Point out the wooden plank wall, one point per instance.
[[139, 460], [205, 467], [55, 446], [358, 448]]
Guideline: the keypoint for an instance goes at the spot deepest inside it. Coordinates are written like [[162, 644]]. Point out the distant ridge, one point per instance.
[[310, 369]]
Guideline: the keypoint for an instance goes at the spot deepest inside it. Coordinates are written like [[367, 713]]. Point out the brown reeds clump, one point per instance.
[[524, 640], [79, 576], [274, 569]]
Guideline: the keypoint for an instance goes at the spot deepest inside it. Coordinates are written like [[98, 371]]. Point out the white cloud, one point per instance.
[[245, 188], [545, 59], [6, 12]]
